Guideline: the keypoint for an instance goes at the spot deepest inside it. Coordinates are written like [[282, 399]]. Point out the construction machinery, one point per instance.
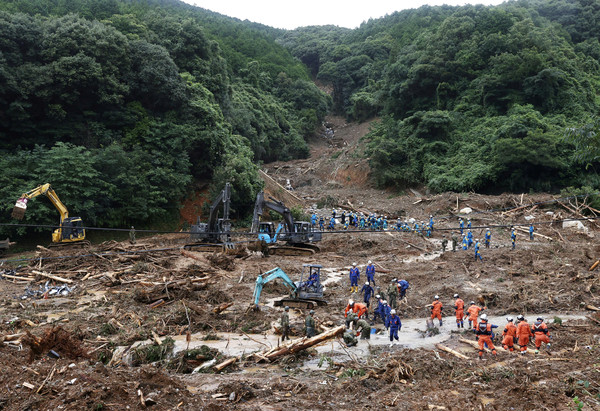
[[299, 236], [214, 235], [4, 245], [70, 230], [306, 293]]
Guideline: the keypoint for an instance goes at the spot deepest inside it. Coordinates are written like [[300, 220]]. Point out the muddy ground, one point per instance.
[[125, 299]]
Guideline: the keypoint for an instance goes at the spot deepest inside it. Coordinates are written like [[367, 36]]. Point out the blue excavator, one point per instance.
[[292, 238], [306, 293]]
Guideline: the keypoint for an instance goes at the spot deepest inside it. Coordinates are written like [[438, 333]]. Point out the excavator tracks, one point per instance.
[[71, 244], [204, 248], [299, 303], [290, 251]]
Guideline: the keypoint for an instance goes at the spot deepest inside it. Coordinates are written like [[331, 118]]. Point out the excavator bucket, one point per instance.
[[19, 209]]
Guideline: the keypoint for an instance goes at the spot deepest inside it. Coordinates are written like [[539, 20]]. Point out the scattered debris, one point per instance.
[[47, 290]]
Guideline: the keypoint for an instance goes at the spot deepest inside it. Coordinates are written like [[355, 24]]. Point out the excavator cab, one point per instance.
[[267, 231], [310, 285], [71, 229]]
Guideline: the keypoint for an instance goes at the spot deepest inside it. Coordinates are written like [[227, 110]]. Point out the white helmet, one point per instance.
[[393, 312], [377, 296], [367, 283], [437, 297], [384, 301], [455, 295], [350, 302], [483, 317], [370, 262], [520, 317], [472, 302], [354, 264], [509, 319]]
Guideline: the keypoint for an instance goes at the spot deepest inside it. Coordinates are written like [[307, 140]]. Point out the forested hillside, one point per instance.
[[471, 98], [122, 105]]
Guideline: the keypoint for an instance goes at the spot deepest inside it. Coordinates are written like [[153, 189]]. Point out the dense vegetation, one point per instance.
[[123, 105], [471, 98]]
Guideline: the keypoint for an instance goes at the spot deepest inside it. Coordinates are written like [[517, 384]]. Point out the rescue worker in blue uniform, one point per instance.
[[354, 277], [370, 271]]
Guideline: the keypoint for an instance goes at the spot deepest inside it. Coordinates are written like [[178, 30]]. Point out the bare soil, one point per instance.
[[116, 304]]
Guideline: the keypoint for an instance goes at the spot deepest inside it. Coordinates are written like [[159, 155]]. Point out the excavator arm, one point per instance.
[[274, 205], [71, 228], [216, 230], [48, 191], [271, 275], [223, 197]]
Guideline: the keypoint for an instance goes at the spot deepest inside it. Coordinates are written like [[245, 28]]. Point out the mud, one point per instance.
[[116, 308]]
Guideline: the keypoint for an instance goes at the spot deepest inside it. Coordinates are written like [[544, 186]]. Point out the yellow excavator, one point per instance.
[[71, 228]]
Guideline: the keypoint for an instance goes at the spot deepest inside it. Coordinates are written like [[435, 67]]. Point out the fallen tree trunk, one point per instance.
[[412, 245], [381, 269], [222, 307], [591, 308], [16, 277], [578, 214], [53, 277], [225, 363], [301, 344], [451, 351], [539, 235], [189, 254], [11, 337]]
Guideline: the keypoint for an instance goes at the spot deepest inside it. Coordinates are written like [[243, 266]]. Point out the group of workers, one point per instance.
[[357, 314], [357, 323], [349, 220], [379, 222], [354, 276]]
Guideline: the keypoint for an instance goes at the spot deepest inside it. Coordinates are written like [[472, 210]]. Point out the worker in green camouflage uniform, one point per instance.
[[350, 339], [309, 323], [285, 324], [352, 318], [365, 329], [393, 293], [132, 235]]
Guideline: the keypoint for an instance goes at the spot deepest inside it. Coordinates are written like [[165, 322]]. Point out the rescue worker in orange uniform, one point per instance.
[[459, 309], [357, 308], [436, 309], [349, 307], [484, 335], [523, 333], [540, 333], [509, 334], [473, 314]]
